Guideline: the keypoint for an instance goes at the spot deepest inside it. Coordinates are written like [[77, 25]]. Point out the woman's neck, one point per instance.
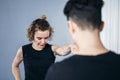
[[36, 47]]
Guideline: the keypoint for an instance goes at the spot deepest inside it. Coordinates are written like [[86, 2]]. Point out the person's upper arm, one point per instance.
[[18, 58]]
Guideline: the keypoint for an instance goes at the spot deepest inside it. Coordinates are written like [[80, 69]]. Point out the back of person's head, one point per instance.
[[85, 13]]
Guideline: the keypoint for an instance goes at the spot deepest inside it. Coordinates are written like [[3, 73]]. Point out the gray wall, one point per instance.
[[16, 16]]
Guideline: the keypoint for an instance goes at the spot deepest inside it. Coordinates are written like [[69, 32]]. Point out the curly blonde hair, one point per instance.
[[39, 24]]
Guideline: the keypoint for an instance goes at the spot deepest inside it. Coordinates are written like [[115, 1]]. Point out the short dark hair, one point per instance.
[[84, 12]]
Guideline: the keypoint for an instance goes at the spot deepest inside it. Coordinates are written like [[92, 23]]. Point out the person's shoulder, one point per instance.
[[29, 44], [57, 69], [66, 62], [48, 44], [114, 56], [113, 53], [26, 46]]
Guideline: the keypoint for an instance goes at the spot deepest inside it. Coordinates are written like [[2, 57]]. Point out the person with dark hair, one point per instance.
[[38, 55], [91, 61]]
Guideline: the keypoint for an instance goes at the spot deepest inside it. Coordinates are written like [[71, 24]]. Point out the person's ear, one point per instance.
[[71, 26], [101, 26]]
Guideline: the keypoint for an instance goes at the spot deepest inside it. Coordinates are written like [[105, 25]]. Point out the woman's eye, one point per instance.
[[46, 38], [39, 38]]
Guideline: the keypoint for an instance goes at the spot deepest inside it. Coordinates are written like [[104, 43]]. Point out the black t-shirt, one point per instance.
[[76, 67], [36, 63]]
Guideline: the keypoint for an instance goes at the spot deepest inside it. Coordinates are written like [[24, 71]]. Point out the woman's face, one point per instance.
[[41, 38]]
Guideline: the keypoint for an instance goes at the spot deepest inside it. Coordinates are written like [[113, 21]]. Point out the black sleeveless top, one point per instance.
[[36, 63]]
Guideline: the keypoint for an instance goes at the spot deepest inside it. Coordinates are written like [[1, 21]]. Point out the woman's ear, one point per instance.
[[101, 26]]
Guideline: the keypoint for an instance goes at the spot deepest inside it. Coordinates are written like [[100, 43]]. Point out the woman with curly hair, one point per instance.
[[38, 55]]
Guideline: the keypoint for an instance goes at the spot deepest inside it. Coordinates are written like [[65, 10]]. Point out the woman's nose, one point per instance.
[[43, 41]]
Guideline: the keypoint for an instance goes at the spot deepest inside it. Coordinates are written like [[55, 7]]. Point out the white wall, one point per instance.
[[111, 33]]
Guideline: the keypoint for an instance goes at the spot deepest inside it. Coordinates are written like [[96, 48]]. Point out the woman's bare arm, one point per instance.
[[64, 50], [15, 65]]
